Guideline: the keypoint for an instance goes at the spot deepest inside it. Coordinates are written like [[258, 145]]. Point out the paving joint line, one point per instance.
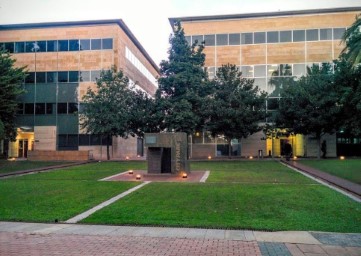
[[205, 177]]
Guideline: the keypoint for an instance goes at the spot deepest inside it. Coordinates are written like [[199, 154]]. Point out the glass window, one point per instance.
[[259, 37], [222, 39], [72, 108], [285, 70], [272, 37], [20, 109], [299, 69], [30, 78], [51, 77], [234, 39], [84, 140], [84, 44], [211, 72], [63, 45], [62, 108], [94, 75], [259, 70], [52, 46], [29, 108], [247, 38], [31, 47], [19, 47], [95, 44], [41, 46], [298, 35], [39, 108], [9, 47], [272, 70], [285, 36], [73, 76], [261, 83], [40, 77], [312, 34], [63, 76], [107, 43], [62, 140], [210, 40], [337, 33], [49, 108], [247, 71], [325, 34], [197, 38], [84, 76], [73, 45], [188, 39], [95, 140]]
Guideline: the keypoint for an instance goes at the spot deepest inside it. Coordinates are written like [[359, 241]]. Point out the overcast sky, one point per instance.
[[147, 19]]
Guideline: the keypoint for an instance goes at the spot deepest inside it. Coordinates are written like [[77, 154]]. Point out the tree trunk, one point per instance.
[[108, 142]]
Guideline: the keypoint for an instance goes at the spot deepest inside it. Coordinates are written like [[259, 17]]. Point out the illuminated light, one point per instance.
[[127, 158], [295, 158], [251, 157], [184, 175], [11, 159], [130, 172], [138, 156], [209, 157], [342, 158], [197, 134], [138, 177]]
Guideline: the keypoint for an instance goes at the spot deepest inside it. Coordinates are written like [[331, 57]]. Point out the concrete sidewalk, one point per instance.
[[17, 238]]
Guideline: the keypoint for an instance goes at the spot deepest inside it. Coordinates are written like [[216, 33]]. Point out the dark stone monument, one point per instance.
[[167, 153]]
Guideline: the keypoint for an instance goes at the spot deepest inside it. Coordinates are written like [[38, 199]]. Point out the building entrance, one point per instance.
[[23, 148]]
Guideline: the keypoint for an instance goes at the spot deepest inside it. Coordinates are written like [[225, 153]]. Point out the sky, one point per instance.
[[147, 19]]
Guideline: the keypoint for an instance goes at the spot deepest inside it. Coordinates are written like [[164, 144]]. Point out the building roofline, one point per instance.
[[119, 22], [262, 14]]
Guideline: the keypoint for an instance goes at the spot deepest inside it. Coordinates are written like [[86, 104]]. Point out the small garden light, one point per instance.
[[184, 175], [342, 158], [138, 177], [130, 172]]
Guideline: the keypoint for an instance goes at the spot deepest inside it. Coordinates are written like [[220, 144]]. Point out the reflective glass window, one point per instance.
[[210, 40], [49, 108], [286, 36], [20, 109], [299, 69], [188, 39], [84, 76], [260, 71], [9, 47], [259, 37], [73, 76], [272, 37], [197, 38], [31, 47], [325, 34], [261, 83], [51, 77], [247, 71], [40, 77], [29, 108], [19, 47], [234, 39], [211, 72], [338, 33], [41, 45], [52, 46], [63, 45], [94, 75], [312, 34], [63, 77], [107, 43], [247, 38], [72, 108], [95, 139], [73, 45], [40, 108], [62, 108], [30, 78], [84, 140], [84, 44], [95, 44], [222, 39], [298, 35], [272, 70]]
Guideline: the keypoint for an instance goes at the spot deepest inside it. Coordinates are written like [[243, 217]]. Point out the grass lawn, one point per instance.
[[349, 169], [12, 166]]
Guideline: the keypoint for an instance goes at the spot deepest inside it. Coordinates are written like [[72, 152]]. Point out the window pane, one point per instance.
[[63, 77], [73, 45], [51, 46], [84, 76], [338, 33], [40, 77], [20, 109], [72, 108], [63, 45], [247, 71], [49, 108], [285, 70], [272, 70], [29, 108], [95, 74], [199, 39], [62, 108], [73, 76], [272, 37], [51, 77], [210, 40], [188, 39], [259, 71], [261, 83], [95, 44], [9, 47], [30, 47], [40, 108], [222, 39], [247, 38], [299, 69], [326, 34], [84, 44], [107, 43], [298, 35], [286, 36], [234, 39], [259, 37], [19, 47], [41, 46], [312, 35], [72, 140], [30, 78], [84, 140], [94, 140], [62, 140]]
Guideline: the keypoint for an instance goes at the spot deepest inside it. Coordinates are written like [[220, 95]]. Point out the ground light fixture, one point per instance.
[[184, 175], [127, 158], [342, 158], [130, 172], [209, 157], [138, 177], [251, 157], [295, 158]]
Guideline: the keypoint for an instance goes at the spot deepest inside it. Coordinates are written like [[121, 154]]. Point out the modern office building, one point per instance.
[[63, 59], [271, 48]]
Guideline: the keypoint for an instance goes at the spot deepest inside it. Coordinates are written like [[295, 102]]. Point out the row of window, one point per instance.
[[62, 76], [74, 140], [269, 37], [58, 45], [47, 108]]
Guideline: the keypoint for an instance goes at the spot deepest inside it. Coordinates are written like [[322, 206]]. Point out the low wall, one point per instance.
[[50, 155]]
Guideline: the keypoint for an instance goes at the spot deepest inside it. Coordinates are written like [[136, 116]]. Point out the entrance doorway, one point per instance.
[[23, 148]]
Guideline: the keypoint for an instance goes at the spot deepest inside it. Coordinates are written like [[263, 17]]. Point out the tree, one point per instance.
[[237, 107], [310, 106], [352, 40], [11, 80], [182, 85], [107, 109]]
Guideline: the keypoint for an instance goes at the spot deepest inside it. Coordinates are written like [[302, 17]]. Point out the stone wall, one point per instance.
[[49, 155]]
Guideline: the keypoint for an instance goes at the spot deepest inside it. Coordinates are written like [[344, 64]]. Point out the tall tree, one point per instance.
[[182, 85], [107, 109], [237, 106], [11, 80], [310, 106], [352, 40]]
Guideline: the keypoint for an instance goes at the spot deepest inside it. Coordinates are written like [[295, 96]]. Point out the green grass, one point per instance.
[[13, 166], [349, 169]]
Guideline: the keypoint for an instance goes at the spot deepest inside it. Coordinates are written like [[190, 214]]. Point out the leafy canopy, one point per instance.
[[352, 39]]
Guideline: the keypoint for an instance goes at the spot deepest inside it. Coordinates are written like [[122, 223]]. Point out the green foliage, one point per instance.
[[11, 80], [352, 38], [182, 85]]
